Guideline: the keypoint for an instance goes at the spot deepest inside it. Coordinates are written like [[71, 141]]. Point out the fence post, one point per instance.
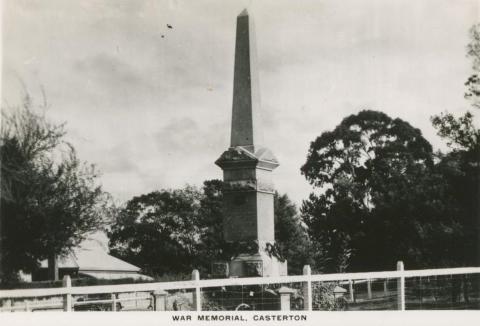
[[420, 285], [114, 302], [369, 288], [160, 300], [350, 290], [196, 297], [385, 287], [285, 295], [307, 289], [67, 298], [401, 287], [8, 304]]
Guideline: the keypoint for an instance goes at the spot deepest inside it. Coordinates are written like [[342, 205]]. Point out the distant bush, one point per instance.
[[30, 285], [94, 281], [172, 277], [323, 297]]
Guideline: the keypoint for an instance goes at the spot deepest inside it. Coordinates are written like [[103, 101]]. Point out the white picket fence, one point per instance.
[[67, 297]]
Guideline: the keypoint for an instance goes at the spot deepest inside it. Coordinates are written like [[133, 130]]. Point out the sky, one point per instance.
[[154, 112]]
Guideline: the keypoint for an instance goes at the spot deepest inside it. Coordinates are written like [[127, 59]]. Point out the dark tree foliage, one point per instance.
[[211, 221], [471, 153], [381, 198], [49, 199], [461, 170], [363, 143], [159, 231], [290, 235], [332, 244], [459, 133]]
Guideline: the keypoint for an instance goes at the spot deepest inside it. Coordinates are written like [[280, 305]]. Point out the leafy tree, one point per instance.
[[332, 245], [460, 133], [159, 231], [378, 196], [211, 221], [461, 169], [462, 164], [364, 145], [291, 235], [49, 199]]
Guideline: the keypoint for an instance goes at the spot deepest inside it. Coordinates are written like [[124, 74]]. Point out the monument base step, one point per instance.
[[252, 265]]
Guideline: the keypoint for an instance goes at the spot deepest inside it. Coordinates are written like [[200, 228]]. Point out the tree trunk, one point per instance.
[[53, 268]]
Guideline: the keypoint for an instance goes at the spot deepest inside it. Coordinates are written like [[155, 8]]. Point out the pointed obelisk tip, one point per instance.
[[243, 13]]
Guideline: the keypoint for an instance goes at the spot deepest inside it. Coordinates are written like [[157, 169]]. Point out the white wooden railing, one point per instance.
[[158, 290]]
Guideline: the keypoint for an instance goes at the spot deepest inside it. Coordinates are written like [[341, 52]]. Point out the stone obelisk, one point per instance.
[[247, 168]]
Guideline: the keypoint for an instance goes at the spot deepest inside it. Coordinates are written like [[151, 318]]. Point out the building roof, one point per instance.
[[116, 275], [90, 256]]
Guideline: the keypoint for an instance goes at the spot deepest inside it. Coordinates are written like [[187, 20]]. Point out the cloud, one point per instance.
[[119, 159], [110, 74], [184, 138]]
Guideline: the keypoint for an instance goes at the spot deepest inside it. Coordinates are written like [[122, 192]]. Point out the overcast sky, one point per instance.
[[155, 112]]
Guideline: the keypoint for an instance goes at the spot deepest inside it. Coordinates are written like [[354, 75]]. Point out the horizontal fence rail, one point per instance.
[[400, 289]]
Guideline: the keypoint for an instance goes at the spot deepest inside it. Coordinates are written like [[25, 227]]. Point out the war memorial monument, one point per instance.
[[247, 168]]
